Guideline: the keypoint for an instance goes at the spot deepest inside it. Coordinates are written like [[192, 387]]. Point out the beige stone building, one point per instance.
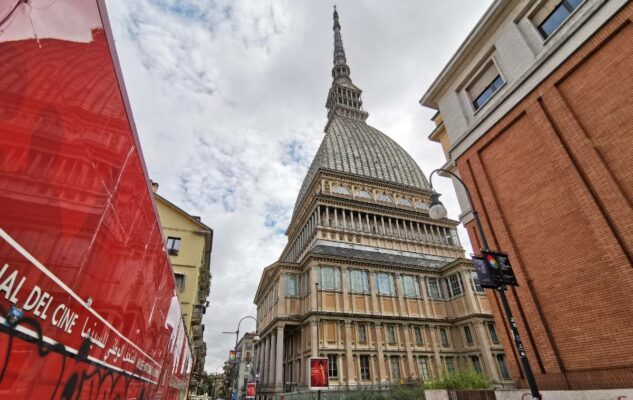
[[396, 298], [188, 242]]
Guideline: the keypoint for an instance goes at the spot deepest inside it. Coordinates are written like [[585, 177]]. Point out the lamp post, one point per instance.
[[438, 211], [236, 365]]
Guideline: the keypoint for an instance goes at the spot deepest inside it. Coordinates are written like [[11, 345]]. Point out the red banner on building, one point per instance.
[[251, 390], [318, 373]]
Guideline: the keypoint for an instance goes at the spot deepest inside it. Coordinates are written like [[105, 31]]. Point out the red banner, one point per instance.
[[318, 373], [251, 390]]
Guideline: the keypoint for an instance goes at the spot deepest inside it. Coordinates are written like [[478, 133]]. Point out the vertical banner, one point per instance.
[[487, 279], [251, 390], [232, 356], [500, 263], [318, 373]]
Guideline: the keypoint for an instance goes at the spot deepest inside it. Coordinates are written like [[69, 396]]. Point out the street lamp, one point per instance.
[[438, 211], [237, 335]]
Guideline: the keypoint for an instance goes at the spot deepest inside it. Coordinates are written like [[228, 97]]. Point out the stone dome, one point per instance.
[[352, 147]]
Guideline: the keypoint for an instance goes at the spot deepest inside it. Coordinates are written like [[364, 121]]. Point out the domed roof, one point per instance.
[[351, 146]]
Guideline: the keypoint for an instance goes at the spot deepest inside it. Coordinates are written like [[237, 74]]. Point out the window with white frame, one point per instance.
[[423, 367], [434, 288], [553, 13], [329, 278], [180, 282], [292, 285], [487, 83], [455, 286], [173, 245], [332, 366], [385, 283], [364, 367], [474, 282], [358, 281], [410, 286]]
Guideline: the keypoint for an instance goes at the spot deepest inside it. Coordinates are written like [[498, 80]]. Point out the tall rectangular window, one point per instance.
[[364, 367], [475, 284], [180, 282], [173, 245], [292, 285], [391, 334], [358, 281], [485, 85], [444, 337], [332, 366], [385, 283], [493, 332], [552, 14], [468, 334], [329, 278], [395, 368], [476, 364], [410, 286], [362, 333], [503, 368], [418, 335], [423, 366], [455, 286], [434, 288], [450, 365]]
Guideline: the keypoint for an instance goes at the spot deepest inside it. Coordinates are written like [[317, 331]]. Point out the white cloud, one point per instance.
[[228, 97]]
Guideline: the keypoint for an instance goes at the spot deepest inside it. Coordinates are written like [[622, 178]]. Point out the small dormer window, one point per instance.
[[422, 206], [405, 202], [384, 197]]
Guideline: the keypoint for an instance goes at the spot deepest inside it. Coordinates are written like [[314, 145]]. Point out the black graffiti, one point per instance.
[[99, 382]]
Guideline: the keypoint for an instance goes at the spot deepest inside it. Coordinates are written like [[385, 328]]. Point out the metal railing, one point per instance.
[[365, 392]]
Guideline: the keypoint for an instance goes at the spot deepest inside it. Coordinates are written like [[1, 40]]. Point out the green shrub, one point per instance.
[[461, 380]]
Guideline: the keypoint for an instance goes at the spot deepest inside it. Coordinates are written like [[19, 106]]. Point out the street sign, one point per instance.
[[486, 279], [499, 263], [250, 390], [318, 373]]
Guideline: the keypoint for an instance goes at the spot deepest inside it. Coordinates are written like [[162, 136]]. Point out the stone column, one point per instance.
[[409, 348], [372, 292], [312, 288], [281, 294], [488, 361], [279, 357], [266, 360], [314, 345], [436, 350], [273, 357], [344, 289], [381, 357], [400, 294], [349, 360], [470, 294]]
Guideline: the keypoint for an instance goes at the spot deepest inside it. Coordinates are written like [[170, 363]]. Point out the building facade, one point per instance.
[[189, 244], [246, 363], [535, 116], [385, 289]]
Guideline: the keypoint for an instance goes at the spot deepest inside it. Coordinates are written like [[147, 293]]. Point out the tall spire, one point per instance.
[[344, 97]]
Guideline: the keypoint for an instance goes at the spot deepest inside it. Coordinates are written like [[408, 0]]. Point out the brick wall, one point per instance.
[[553, 182]]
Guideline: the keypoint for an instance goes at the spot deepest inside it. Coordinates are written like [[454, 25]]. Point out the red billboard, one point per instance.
[[88, 307], [318, 373], [250, 390]]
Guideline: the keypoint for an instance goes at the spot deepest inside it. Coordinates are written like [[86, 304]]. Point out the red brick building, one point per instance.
[[536, 116]]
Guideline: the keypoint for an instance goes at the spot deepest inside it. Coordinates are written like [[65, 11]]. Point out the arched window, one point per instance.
[[385, 198], [363, 193], [341, 190], [422, 206], [405, 202]]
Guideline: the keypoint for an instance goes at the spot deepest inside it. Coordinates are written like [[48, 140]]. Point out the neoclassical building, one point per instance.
[[387, 288]]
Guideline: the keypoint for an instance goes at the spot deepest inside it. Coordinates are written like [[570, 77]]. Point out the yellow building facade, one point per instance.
[[188, 242]]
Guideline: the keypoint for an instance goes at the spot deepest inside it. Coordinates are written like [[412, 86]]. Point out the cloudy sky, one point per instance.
[[228, 98]]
